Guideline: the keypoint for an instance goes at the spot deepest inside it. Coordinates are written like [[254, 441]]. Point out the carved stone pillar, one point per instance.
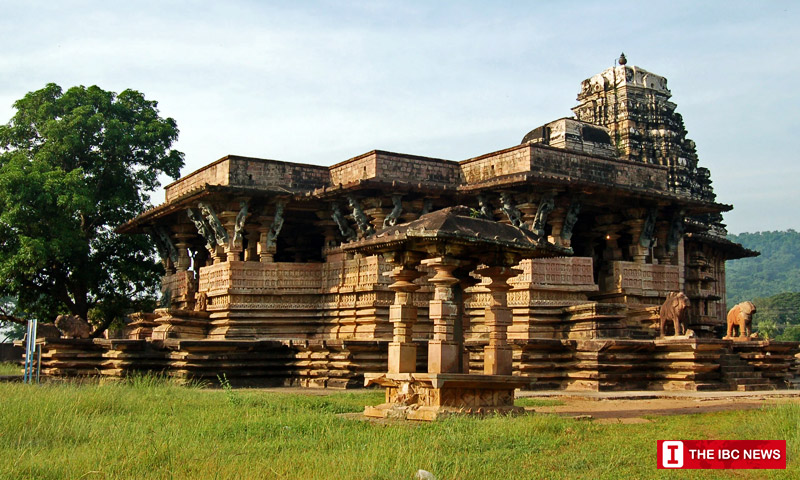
[[183, 243], [169, 267], [637, 252], [660, 254], [444, 348], [265, 253], [497, 358], [252, 236], [403, 315], [201, 259], [375, 212], [528, 208], [556, 223], [232, 250], [612, 251]]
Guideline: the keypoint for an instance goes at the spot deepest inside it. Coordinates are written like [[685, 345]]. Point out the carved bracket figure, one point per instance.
[[277, 224], [485, 207], [741, 317], [570, 219], [511, 211], [394, 215], [676, 229], [545, 207], [220, 233], [202, 228], [427, 207], [341, 222], [674, 310], [165, 244], [238, 227], [646, 237], [362, 221]]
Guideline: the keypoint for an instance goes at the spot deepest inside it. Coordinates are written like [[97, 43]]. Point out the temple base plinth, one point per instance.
[[430, 396]]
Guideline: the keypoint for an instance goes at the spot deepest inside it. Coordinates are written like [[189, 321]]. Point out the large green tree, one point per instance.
[[75, 165]]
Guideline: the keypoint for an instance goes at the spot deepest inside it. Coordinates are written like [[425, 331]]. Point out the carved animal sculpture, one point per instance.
[[741, 316], [674, 310], [73, 326]]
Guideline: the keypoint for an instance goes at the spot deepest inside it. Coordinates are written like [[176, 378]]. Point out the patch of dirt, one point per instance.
[[633, 410]]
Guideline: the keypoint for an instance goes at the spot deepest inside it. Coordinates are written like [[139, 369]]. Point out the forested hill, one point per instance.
[[776, 270]]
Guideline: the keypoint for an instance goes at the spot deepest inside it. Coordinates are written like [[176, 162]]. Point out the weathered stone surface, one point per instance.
[[604, 215], [73, 326]]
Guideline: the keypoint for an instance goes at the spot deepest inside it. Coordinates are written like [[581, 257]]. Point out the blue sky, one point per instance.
[[320, 82]]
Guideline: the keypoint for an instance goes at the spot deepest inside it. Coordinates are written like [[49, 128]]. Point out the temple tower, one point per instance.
[[644, 126]]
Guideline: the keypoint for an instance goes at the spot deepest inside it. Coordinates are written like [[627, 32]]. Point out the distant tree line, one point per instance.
[[771, 281]]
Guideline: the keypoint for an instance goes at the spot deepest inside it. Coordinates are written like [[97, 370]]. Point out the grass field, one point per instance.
[[8, 368], [149, 428]]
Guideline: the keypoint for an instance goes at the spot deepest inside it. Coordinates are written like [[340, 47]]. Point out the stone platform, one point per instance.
[[428, 396], [595, 365]]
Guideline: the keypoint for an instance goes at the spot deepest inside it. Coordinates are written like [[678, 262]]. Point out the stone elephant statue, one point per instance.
[[73, 326], [741, 316], [674, 309]]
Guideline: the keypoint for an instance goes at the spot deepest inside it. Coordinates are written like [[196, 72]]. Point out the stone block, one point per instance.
[[443, 357], [402, 357], [497, 360]]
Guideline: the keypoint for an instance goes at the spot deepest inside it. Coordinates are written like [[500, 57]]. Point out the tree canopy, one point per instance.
[[778, 316], [75, 165], [776, 270]]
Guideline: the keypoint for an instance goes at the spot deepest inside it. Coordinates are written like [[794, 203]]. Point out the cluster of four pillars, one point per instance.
[[445, 349]]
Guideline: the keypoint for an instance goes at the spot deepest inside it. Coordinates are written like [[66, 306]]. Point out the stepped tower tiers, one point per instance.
[[548, 259], [644, 127]]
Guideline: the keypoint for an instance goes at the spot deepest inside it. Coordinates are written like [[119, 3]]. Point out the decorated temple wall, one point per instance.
[[411, 169], [645, 280], [355, 169], [705, 286], [597, 170], [390, 167], [505, 162], [565, 164], [251, 172]]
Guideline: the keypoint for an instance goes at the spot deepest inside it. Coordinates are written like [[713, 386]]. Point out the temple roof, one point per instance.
[[458, 226]]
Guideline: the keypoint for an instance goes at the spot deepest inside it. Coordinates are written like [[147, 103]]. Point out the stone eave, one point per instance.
[[338, 190], [527, 178], [732, 250], [187, 200]]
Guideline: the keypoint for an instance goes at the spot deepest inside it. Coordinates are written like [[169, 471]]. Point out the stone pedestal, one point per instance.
[[444, 349], [232, 250], [182, 244], [403, 315], [174, 323], [497, 355], [429, 396]]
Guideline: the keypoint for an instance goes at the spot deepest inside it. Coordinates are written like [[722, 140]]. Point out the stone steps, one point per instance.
[[741, 376], [755, 387]]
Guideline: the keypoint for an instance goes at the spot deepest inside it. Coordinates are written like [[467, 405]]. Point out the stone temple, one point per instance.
[[545, 262]]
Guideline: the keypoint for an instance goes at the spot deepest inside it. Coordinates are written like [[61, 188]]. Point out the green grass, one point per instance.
[[537, 402], [149, 428], [8, 368]]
